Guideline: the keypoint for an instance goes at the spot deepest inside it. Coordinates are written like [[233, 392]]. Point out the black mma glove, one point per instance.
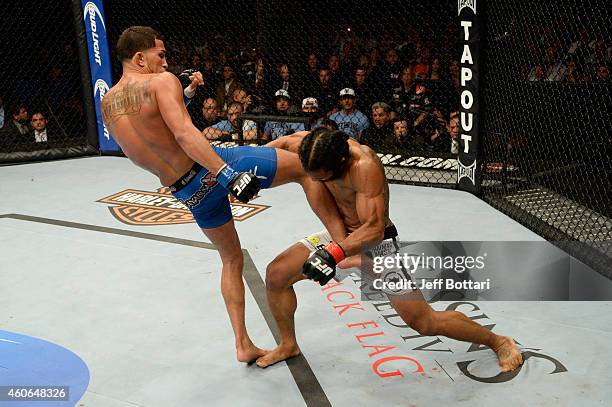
[[244, 186], [321, 265]]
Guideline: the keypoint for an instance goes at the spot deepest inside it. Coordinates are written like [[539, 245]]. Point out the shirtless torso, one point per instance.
[[147, 117], [362, 197], [132, 114], [359, 193]]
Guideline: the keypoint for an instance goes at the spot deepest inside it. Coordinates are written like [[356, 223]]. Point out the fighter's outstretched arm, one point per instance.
[[290, 143], [169, 95]]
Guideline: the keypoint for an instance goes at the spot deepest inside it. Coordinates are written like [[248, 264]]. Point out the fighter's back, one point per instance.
[[132, 114]]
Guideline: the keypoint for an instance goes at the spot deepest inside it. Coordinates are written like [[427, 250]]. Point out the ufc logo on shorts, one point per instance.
[[238, 188], [322, 267]]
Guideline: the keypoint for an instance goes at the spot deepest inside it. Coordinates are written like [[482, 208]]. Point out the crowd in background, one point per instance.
[[565, 56], [45, 106], [394, 92]]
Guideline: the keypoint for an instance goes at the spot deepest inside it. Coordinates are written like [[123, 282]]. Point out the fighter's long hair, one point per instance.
[[324, 149]]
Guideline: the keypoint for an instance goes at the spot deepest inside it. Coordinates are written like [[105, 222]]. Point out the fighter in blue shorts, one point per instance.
[[146, 115], [207, 199]]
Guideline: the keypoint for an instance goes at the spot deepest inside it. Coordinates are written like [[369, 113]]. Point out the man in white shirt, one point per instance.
[[39, 126]]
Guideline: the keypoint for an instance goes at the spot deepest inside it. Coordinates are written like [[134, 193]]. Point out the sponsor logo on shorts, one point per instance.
[[147, 208], [207, 183], [314, 240]]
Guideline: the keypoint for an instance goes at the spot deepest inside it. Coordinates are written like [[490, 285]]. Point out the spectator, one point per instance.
[[553, 68], [349, 119], [338, 77], [364, 92], [325, 93], [59, 88], [274, 130], [229, 128], [537, 74], [40, 132], [241, 96], [310, 74], [380, 136], [572, 73], [348, 54], [441, 88], [18, 126], [435, 70], [226, 88], [210, 114], [284, 83], [363, 60], [374, 58], [310, 108], [421, 63], [196, 62], [312, 65], [421, 113], [388, 74], [602, 73], [446, 140], [402, 92], [581, 46], [453, 69], [258, 88], [401, 135]]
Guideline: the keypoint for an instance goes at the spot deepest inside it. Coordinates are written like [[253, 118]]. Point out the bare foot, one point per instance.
[[278, 354], [250, 353], [508, 353]]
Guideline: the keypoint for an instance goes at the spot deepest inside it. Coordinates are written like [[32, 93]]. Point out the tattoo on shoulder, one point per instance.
[[125, 101]]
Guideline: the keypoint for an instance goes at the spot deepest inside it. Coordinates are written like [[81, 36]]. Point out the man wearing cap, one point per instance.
[[310, 108], [349, 119], [274, 130]]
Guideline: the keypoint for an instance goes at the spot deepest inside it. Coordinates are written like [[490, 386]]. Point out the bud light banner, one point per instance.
[[468, 172], [99, 64]]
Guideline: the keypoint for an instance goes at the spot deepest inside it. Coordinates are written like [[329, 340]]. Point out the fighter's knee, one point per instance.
[[233, 262], [276, 275]]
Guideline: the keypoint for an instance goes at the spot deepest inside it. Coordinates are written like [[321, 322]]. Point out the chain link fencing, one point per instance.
[[547, 121], [42, 114], [323, 61]]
